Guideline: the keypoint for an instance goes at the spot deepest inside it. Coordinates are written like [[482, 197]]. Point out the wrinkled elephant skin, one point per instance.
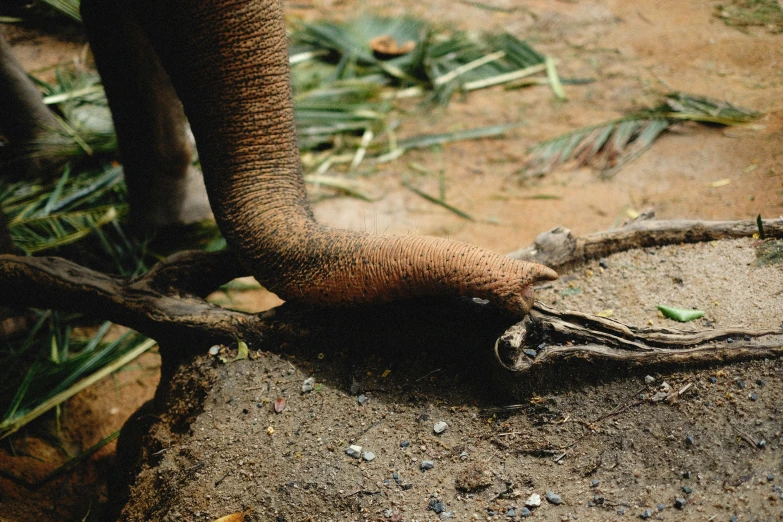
[[228, 62]]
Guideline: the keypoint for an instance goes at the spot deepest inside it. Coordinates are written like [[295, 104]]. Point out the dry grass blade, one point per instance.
[[609, 146], [88, 367], [437, 201], [342, 185], [743, 14]]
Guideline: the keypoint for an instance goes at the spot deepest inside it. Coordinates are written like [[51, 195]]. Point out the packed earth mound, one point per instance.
[[424, 434]]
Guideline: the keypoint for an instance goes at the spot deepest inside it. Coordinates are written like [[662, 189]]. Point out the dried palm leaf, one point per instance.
[[609, 146]]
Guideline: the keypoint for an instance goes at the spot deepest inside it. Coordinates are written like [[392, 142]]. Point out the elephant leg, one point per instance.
[[152, 132], [24, 119], [228, 60]]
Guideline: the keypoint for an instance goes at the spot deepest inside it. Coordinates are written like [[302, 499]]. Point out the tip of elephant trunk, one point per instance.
[[542, 273]]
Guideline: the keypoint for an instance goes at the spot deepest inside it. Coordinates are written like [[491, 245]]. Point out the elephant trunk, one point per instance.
[[228, 61]]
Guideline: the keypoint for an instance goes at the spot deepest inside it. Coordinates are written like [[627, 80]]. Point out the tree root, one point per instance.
[[165, 304], [168, 305], [556, 337], [558, 249]]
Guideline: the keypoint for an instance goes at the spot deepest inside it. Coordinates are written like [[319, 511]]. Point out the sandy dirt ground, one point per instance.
[[634, 52]]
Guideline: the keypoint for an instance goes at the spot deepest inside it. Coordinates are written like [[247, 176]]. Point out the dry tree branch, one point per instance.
[[560, 336], [558, 249], [167, 303], [164, 304]]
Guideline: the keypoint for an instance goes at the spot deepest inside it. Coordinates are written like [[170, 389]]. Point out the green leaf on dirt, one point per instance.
[[609, 146], [242, 353], [680, 314]]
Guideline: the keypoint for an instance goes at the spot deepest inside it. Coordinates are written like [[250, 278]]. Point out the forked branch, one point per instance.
[[548, 337]]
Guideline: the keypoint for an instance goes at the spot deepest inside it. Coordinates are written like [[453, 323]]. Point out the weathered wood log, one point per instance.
[[164, 304], [558, 249], [555, 337]]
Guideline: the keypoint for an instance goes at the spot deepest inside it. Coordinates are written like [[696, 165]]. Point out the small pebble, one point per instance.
[[762, 444], [760, 382], [753, 396], [598, 499], [308, 385], [687, 490], [680, 502], [361, 398], [689, 440], [511, 513], [427, 464], [602, 264], [554, 498], [733, 518], [649, 379], [621, 511], [353, 451], [396, 477], [595, 483], [440, 427], [369, 456], [530, 353], [686, 474], [713, 380], [525, 512], [770, 477], [660, 507], [436, 506], [405, 444], [533, 500], [741, 384], [388, 513], [644, 515], [214, 350], [446, 515], [729, 340]]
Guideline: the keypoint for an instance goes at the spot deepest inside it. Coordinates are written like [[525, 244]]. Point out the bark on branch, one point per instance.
[[165, 304], [558, 249], [555, 337]]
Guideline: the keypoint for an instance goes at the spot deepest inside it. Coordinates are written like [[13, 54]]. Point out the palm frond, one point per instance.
[[609, 146], [410, 53], [69, 8], [37, 234], [72, 365]]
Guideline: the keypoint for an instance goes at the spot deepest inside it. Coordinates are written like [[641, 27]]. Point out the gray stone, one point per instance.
[[368, 456], [427, 464], [649, 379], [440, 427], [533, 500], [554, 498], [308, 385], [354, 451]]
